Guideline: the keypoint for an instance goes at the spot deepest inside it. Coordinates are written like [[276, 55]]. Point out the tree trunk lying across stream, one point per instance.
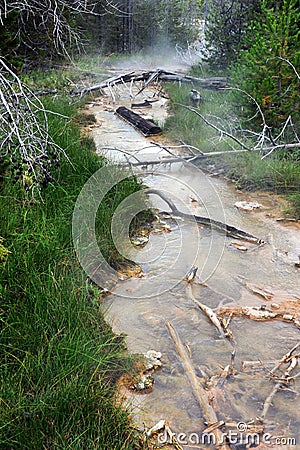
[[144, 126], [151, 76]]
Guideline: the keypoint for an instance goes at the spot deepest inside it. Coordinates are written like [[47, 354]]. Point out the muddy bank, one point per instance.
[[141, 307]]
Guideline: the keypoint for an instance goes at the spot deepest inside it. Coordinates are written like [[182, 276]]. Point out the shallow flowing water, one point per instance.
[[140, 307]]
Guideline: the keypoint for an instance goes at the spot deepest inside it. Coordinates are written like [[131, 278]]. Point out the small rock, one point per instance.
[[159, 426], [142, 240], [275, 306], [190, 276], [152, 360], [153, 354], [247, 206], [144, 383], [288, 317], [123, 278], [241, 248]]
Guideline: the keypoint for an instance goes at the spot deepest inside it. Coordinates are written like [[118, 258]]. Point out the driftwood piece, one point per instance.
[[144, 104], [228, 229], [199, 392], [256, 366], [257, 313], [151, 76], [146, 127], [257, 290], [268, 401], [209, 313], [285, 358], [288, 357]]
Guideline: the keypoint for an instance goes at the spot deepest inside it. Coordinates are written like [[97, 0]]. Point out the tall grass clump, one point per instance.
[[59, 359], [216, 107]]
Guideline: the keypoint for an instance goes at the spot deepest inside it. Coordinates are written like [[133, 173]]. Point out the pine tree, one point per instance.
[[268, 69], [226, 30]]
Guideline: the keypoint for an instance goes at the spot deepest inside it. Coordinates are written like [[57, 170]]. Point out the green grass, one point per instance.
[[185, 125], [59, 359], [278, 173]]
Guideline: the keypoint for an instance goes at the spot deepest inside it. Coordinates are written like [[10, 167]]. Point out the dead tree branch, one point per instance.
[[199, 392], [210, 314], [222, 132], [229, 230], [24, 139], [265, 134], [151, 76], [287, 358], [52, 18], [266, 150]]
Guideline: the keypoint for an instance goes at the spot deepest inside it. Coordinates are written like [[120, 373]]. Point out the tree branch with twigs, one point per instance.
[[42, 23], [25, 143], [265, 142]]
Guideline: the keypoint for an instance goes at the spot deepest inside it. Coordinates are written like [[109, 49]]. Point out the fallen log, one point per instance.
[[151, 76], [146, 127], [205, 83], [199, 392], [228, 229], [211, 155]]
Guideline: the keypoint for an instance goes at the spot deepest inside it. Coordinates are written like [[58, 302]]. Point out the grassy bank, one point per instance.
[[59, 359], [278, 173]]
